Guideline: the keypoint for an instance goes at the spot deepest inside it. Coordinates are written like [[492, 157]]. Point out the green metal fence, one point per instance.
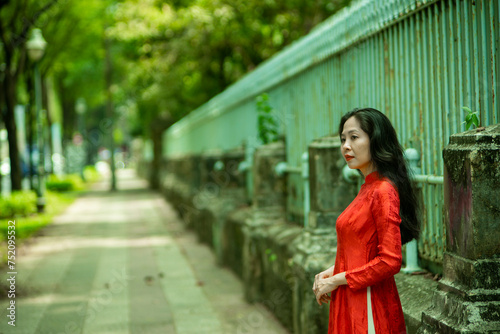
[[419, 62]]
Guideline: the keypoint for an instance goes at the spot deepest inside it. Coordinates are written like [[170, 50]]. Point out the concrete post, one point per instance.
[[468, 296]]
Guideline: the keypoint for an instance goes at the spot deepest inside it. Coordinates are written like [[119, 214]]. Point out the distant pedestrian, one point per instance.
[[370, 231]]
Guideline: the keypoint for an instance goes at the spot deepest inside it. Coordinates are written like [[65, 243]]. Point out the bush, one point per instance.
[[91, 174], [70, 182], [28, 225], [19, 203]]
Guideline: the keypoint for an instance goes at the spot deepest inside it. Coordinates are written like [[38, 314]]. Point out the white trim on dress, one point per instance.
[[371, 325]]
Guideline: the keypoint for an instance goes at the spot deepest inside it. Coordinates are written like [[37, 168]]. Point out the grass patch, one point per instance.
[[26, 226], [56, 202], [19, 203]]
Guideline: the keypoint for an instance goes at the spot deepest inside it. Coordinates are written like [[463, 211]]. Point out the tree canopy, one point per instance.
[[165, 57], [179, 54]]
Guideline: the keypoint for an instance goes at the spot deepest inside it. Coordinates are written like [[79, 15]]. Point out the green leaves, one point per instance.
[[267, 125], [179, 54], [471, 118], [271, 256]]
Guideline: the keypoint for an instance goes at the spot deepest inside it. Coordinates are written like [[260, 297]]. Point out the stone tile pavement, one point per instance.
[[121, 262]]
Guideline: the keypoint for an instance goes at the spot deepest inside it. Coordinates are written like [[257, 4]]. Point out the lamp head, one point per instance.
[[36, 45], [80, 106]]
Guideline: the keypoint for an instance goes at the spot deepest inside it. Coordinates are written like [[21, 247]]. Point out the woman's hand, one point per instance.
[[322, 275], [323, 299], [323, 287], [326, 285]]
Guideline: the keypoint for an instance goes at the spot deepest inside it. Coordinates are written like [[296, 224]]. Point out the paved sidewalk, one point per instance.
[[121, 262]]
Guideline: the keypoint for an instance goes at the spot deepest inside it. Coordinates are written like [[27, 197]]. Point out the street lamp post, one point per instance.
[[36, 48]]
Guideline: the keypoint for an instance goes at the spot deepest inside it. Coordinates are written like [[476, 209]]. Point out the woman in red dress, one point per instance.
[[370, 232]]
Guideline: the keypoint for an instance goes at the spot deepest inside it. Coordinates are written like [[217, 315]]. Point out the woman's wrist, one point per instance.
[[338, 279]]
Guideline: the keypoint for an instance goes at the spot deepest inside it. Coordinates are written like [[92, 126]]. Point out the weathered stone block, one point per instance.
[[322, 220], [329, 191], [269, 189], [468, 300], [312, 254], [231, 161], [233, 239], [472, 183]]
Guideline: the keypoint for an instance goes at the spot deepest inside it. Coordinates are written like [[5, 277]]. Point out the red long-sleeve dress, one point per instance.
[[369, 251]]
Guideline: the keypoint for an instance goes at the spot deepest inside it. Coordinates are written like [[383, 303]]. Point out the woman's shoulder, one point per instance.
[[384, 190], [378, 184], [386, 184]]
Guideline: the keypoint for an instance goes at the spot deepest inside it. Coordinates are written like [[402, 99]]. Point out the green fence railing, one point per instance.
[[419, 62]]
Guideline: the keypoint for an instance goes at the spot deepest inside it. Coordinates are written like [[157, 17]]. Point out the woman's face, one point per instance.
[[356, 147]]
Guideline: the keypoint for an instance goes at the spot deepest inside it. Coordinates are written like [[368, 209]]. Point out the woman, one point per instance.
[[370, 231]]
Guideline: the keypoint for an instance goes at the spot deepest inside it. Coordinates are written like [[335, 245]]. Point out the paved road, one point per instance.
[[121, 262]]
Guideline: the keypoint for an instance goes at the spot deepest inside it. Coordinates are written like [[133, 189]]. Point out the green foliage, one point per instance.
[[267, 125], [73, 55], [70, 182], [18, 203], [177, 55], [27, 225], [471, 118], [91, 174], [271, 256]]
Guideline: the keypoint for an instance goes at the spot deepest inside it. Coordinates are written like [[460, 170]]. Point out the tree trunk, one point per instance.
[[2, 112], [1, 122], [10, 125]]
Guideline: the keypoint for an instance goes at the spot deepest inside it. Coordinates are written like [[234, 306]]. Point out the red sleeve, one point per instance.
[[387, 262]]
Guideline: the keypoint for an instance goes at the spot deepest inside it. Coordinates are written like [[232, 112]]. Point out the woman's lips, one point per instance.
[[348, 157]]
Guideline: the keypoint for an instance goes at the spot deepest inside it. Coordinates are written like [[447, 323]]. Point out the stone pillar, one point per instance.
[[217, 195], [230, 195], [269, 189], [330, 195], [180, 183], [267, 210], [468, 295]]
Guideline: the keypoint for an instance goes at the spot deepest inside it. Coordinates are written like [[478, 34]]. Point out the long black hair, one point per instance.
[[387, 154]]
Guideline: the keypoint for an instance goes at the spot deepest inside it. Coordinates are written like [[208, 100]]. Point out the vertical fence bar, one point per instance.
[[467, 47], [495, 58], [444, 91], [413, 92], [406, 87], [427, 130]]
